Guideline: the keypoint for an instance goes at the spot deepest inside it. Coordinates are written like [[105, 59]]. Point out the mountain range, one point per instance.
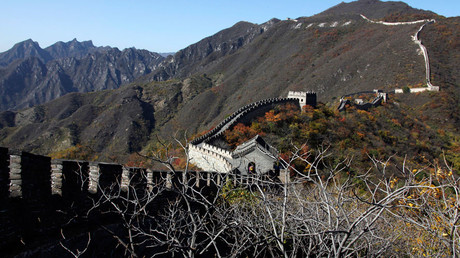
[[30, 75], [133, 95]]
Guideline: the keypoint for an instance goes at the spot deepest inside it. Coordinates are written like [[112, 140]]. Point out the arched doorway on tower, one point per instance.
[[251, 168]]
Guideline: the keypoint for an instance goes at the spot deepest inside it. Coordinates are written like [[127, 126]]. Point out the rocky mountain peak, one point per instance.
[[31, 75], [72, 48], [24, 49]]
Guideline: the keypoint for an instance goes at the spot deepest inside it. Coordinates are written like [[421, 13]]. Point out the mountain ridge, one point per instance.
[[34, 75], [24, 49], [373, 9], [73, 48]]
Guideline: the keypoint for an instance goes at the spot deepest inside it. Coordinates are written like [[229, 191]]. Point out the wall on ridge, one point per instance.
[[423, 49], [261, 110], [204, 152], [248, 114], [236, 116]]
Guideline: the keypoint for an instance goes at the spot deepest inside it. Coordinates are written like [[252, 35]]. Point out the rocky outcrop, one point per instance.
[[73, 48]]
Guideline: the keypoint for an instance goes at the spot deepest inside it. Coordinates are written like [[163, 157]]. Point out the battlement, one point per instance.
[[39, 195], [222, 152], [293, 94], [210, 158], [36, 178]]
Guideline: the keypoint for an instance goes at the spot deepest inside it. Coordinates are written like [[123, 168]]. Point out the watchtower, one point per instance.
[[305, 98]]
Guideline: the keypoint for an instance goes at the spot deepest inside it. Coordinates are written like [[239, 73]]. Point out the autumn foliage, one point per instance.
[[386, 131], [78, 152]]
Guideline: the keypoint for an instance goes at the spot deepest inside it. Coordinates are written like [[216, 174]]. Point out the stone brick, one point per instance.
[[15, 159], [15, 176]]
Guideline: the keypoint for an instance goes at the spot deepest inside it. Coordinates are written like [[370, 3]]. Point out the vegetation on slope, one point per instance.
[[401, 129]]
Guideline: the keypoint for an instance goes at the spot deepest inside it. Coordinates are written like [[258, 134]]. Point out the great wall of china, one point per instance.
[[39, 195], [423, 51], [381, 96], [210, 157]]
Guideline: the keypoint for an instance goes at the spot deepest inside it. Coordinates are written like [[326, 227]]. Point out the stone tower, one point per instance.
[[305, 98]]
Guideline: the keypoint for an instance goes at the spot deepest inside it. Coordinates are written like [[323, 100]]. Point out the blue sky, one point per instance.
[[155, 25]]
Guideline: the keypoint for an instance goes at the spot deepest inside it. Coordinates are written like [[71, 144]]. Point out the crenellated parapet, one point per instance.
[[36, 178], [40, 196], [209, 160], [220, 151], [237, 116], [304, 98]]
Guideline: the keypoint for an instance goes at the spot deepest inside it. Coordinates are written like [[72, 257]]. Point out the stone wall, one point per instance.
[[47, 195], [423, 51], [202, 151], [241, 113], [208, 160], [208, 157], [377, 101], [395, 23], [36, 179], [4, 178], [222, 152], [29, 176]]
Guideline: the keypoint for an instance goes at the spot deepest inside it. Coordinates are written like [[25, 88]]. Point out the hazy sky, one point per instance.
[[155, 25]]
